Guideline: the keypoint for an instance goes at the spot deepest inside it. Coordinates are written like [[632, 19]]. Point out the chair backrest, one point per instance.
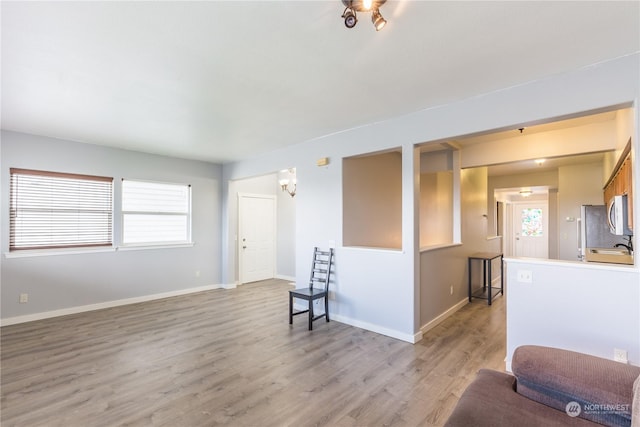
[[321, 268]]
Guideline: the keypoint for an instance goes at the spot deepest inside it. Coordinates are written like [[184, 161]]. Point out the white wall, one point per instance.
[[65, 282], [381, 289], [286, 239], [585, 307]]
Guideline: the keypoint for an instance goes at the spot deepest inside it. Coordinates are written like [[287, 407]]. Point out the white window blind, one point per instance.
[[155, 213], [59, 210]]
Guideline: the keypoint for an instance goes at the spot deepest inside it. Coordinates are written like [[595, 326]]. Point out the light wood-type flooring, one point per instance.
[[229, 357]]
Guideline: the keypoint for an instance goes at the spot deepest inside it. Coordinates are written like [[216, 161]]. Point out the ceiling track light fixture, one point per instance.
[[353, 6]]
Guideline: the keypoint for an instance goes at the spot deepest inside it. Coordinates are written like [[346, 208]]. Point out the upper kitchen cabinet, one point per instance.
[[621, 182]]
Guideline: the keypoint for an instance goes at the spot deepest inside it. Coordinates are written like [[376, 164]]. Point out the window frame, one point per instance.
[[60, 246], [156, 244]]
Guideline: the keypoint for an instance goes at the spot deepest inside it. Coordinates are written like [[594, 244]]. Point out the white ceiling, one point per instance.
[[226, 80]]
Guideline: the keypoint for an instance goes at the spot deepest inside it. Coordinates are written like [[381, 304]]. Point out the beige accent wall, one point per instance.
[[446, 268], [436, 208], [372, 200]]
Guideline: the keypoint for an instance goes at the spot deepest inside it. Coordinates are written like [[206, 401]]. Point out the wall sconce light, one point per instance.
[[288, 181]]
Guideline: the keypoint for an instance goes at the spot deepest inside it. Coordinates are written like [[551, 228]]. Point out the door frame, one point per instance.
[[239, 252]]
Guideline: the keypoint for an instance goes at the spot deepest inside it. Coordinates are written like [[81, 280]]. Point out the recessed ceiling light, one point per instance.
[[539, 162]]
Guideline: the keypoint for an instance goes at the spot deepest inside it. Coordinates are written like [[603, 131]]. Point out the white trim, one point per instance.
[[570, 264], [108, 304], [287, 278], [144, 246], [410, 338], [297, 306], [439, 319], [51, 252], [442, 246], [229, 285], [364, 325], [374, 249], [75, 251]]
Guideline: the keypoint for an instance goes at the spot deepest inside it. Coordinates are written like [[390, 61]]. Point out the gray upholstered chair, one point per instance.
[[551, 387]]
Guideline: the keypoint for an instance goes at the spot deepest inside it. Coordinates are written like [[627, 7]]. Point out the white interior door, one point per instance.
[[256, 237], [530, 229]]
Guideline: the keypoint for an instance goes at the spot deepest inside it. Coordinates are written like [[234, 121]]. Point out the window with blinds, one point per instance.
[[155, 213], [59, 210]]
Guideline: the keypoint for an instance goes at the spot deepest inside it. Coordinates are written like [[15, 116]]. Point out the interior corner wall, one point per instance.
[[376, 289], [441, 269], [436, 208], [286, 238], [67, 281], [285, 220]]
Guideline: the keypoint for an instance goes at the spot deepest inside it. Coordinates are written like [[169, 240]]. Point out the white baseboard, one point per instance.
[[108, 304], [298, 306], [410, 338], [435, 322], [287, 278]]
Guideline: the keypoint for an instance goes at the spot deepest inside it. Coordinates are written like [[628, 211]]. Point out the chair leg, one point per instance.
[[290, 309], [310, 314], [326, 308]]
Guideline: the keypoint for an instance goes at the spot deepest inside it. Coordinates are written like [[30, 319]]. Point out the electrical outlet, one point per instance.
[[620, 355], [525, 276], [24, 298], [197, 273], [451, 290]]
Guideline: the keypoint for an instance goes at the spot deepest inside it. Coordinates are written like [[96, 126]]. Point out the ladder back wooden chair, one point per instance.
[[320, 276]]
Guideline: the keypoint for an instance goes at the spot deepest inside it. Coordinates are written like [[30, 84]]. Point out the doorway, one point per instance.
[[256, 237], [528, 229]]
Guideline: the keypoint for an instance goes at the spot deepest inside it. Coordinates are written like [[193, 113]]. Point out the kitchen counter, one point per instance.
[[609, 255]]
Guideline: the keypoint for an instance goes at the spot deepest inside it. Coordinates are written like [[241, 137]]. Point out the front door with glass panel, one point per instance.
[[531, 229]]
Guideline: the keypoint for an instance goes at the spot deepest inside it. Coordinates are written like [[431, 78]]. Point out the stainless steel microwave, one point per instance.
[[618, 216]]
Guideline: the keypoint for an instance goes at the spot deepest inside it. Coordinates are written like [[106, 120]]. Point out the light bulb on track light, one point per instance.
[[378, 21], [350, 19]]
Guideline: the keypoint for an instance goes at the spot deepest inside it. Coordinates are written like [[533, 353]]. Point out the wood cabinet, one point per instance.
[[621, 182]]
